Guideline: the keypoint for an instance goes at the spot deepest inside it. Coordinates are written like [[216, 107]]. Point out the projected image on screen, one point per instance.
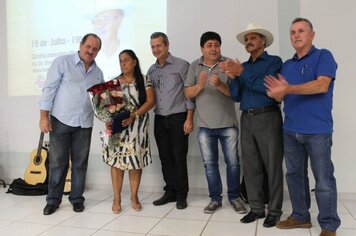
[[40, 30]]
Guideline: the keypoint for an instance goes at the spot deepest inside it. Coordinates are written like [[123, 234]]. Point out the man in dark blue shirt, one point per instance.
[[261, 124]]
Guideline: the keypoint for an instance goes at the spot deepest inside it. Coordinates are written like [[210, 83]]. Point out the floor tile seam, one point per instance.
[[206, 224], [161, 219]]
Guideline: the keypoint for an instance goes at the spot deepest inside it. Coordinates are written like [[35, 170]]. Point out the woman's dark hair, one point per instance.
[[140, 83]]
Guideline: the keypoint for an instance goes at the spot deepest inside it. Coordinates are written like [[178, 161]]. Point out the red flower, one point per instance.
[[108, 100], [110, 86]]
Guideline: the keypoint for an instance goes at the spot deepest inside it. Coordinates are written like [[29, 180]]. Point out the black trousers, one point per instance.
[[262, 145], [172, 146]]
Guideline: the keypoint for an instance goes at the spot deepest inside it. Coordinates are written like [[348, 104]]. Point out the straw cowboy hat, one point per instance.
[[95, 7], [255, 28], [106, 5]]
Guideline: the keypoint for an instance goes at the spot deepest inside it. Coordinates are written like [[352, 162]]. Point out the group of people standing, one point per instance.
[[207, 88]]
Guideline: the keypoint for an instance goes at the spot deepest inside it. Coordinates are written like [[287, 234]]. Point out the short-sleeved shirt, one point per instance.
[[309, 114], [168, 81], [213, 108]]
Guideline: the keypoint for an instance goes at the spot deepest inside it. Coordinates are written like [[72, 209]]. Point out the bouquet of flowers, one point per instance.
[[108, 102]]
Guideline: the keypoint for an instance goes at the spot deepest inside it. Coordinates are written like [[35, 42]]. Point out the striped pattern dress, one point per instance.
[[131, 149]]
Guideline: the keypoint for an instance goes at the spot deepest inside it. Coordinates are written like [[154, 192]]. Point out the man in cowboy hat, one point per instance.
[[261, 123]]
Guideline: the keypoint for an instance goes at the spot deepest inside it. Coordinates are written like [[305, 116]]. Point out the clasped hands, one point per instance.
[[230, 68], [276, 87], [214, 80]]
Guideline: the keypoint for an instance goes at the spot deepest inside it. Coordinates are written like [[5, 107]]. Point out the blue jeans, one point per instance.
[[208, 143], [297, 148], [65, 140]]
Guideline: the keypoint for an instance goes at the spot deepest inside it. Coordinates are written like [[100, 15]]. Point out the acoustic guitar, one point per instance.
[[36, 171]]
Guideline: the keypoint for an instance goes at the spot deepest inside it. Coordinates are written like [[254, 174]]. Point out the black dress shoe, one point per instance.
[[164, 200], [78, 207], [270, 221], [181, 204], [252, 216], [49, 209]]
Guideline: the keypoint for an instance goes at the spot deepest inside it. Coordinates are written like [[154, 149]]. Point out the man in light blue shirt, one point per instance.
[[66, 113]]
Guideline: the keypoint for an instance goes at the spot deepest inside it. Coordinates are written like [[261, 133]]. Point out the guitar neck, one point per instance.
[[40, 144]]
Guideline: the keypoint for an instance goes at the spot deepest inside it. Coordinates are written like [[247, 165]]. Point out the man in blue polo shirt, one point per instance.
[[306, 86]]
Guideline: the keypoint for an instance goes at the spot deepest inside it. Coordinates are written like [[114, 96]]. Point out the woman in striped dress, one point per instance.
[[130, 149]]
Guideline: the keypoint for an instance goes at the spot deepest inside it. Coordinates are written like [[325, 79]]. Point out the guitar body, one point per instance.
[[68, 183], [36, 171]]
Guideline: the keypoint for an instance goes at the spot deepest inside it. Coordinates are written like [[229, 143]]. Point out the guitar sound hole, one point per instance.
[[37, 160]]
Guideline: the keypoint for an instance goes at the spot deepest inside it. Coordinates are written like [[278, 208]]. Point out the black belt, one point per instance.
[[254, 111], [174, 114]]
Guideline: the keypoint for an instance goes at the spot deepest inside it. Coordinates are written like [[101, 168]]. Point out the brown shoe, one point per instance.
[[292, 223], [325, 232]]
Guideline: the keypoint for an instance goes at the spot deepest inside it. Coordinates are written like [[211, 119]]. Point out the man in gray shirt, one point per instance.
[[216, 119], [173, 120]]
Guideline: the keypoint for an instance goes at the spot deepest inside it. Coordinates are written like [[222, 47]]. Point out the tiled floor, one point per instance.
[[22, 215]]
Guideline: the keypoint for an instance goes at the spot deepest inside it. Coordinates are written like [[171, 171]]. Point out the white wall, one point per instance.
[[334, 27], [187, 20]]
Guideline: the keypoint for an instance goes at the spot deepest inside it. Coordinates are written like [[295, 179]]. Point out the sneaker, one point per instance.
[[238, 205], [292, 223], [211, 208]]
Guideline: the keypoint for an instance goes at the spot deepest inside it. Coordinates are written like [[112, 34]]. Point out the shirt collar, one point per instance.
[[77, 59], [201, 60], [311, 50], [169, 60], [263, 56]]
